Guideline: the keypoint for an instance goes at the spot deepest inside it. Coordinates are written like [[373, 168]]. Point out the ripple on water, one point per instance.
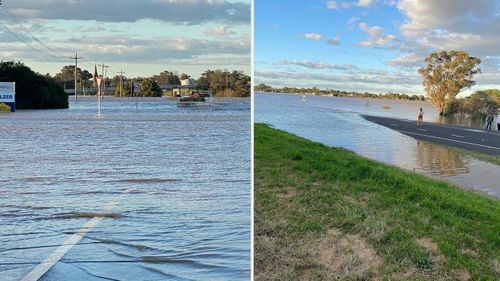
[[161, 161]]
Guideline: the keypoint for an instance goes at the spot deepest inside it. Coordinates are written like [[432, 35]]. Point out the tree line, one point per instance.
[[220, 82], [336, 93]]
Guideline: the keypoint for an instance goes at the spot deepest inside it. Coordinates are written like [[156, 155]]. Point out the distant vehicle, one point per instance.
[[200, 97]]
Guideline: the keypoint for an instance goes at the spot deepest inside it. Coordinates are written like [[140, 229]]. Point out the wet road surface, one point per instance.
[[458, 136]]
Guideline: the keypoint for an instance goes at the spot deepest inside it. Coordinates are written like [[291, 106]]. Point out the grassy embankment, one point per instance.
[[327, 214]]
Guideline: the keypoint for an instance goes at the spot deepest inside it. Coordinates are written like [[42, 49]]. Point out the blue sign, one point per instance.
[[7, 96]]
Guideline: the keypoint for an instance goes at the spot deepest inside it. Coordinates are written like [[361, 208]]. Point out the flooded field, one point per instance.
[[337, 122], [167, 188]]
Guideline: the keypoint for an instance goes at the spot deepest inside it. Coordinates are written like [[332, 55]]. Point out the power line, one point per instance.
[[26, 35], [25, 29]]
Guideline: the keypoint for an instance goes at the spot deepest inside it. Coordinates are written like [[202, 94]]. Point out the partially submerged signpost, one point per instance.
[[99, 89], [137, 90], [7, 96]]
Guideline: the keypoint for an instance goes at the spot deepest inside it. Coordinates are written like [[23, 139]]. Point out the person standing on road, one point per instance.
[[420, 117], [498, 122], [489, 120]]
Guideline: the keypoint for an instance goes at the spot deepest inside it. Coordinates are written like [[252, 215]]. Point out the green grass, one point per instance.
[[306, 192]]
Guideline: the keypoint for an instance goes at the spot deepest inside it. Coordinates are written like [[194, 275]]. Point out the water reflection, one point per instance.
[[439, 160]]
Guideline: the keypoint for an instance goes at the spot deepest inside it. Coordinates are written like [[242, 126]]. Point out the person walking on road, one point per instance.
[[498, 122], [489, 120], [420, 117]]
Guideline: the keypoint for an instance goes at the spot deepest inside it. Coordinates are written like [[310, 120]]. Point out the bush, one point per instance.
[[33, 91]]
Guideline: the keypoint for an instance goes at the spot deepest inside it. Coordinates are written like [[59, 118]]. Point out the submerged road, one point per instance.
[[458, 136]]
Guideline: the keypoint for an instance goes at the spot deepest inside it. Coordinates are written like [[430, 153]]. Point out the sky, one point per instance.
[[371, 45], [141, 38]]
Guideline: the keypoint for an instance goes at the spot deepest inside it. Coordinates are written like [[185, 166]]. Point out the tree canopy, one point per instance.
[[33, 90], [446, 74], [477, 105], [225, 83], [149, 88], [167, 78]]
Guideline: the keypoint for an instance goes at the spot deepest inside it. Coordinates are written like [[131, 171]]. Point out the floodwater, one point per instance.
[[338, 122], [170, 185], [402, 109]]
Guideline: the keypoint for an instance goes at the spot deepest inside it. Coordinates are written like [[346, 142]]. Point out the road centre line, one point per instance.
[[470, 143], [458, 136], [64, 248]]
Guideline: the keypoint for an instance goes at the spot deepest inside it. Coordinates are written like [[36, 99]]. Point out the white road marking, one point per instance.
[[423, 130], [62, 250], [474, 130], [470, 143], [394, 125], [458, 136]]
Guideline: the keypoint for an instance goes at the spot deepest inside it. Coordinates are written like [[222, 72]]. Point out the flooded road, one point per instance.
[[169, 188], [337, 122]]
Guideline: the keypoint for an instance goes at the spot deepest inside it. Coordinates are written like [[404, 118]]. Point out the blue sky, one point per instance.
[[140, 37], [370, 45]]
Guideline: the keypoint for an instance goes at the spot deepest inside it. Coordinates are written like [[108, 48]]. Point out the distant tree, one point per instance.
[[225, 83], [203, 83], [184, 76], [446, 74], [67, 74], [167, 78], [126, 90], [33, 90], [149, 88], [115, 81]]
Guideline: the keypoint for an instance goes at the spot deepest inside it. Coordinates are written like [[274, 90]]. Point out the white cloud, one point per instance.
[[316, 65], [364, 3], [409, 60], [453, 24], [125, 48], [333, 41], [352, 20], [219, 31], [376, 37], [174, 11], [331, 5], [313, 36]]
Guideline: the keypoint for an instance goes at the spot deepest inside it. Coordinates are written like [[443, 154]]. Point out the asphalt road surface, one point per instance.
[[458, 136]]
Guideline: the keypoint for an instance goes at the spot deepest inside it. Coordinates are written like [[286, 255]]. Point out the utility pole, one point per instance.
[[76, 58], [121, 83], [103, 87]]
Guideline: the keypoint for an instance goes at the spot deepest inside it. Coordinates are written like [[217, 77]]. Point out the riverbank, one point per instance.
[[323, 213]]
